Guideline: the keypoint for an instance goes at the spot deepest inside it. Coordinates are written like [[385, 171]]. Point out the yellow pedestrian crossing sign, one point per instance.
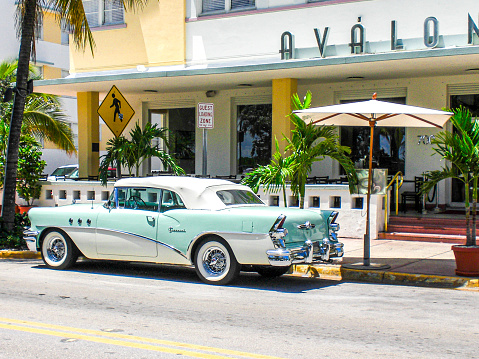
[[115, 111]]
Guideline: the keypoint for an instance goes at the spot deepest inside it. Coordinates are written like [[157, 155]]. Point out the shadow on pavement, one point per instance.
[[183, 274]]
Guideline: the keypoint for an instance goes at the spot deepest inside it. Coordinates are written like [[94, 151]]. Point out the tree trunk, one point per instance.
[[10, 183], [302, 192], [284, 195], [467, 204]]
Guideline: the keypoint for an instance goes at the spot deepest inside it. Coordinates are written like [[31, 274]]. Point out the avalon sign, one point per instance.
[[358, 38]]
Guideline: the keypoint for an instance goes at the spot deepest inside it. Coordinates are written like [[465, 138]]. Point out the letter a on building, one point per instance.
[[115, 111]]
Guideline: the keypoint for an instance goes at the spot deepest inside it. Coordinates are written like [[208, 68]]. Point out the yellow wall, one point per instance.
[[51, 72], [51, 29], [154, 36]]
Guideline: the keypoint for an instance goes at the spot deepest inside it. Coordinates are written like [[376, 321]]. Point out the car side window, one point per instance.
[[170, 200], [145, 199]]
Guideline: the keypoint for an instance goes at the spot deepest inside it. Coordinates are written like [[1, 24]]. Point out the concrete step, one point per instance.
[[438, 229], [423, 237], [432, 221], [427, 229]]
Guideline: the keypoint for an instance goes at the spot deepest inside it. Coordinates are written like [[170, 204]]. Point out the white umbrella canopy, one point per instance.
[[381, 112], [374, 113]]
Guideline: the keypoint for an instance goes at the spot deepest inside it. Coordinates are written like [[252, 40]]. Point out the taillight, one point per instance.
[[277, 232]]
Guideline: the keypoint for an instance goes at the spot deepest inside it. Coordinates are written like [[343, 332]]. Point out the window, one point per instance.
[[170, 200], [39, 29], [65, 32], [235, 197], [145, 199], [103, 12], [254, 123], [227, 5], [389, 144]]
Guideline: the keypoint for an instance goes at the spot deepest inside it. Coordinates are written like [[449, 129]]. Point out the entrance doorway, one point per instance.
[[181, 123]]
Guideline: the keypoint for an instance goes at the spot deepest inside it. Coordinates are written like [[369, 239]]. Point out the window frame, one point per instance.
[[228, 8], [101, 18]]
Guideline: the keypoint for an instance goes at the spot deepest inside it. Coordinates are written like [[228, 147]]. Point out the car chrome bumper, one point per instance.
[[310, 252], [30, 238]]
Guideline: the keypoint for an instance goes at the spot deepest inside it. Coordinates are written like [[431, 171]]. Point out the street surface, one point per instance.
[[124, 310]]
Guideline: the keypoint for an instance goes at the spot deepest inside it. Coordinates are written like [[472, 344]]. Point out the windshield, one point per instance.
[[63, 171], [233, 197]]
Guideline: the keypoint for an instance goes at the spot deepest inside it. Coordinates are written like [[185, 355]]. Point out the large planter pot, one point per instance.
[[467, 260], [24, 209]]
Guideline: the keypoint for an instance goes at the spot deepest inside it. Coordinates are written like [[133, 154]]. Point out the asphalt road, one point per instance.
[[120, 310]]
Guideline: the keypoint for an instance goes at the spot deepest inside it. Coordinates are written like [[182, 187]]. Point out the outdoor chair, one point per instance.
[[413, 195]]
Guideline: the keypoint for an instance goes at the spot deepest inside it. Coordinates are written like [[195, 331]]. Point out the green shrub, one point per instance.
[[14, 239]]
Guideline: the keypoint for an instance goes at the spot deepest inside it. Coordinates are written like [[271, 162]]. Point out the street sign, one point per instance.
[[115, 111], [206, 117]]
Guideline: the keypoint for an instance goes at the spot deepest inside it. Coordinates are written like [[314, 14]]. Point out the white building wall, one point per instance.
[[252, 36]]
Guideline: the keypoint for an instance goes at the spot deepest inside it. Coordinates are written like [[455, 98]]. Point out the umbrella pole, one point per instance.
[[367, 236]]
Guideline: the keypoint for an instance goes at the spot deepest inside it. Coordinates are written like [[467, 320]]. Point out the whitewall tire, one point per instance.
[[215, 262], [58, 250]]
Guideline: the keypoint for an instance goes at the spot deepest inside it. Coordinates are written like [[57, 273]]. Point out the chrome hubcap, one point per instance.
[[56, 249], [214, 261]]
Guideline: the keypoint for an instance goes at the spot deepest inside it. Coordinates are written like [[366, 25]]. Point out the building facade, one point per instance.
[[248, 57], [52, 62]]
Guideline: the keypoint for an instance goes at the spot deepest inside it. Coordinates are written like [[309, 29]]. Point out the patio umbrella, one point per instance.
[[374, 113]]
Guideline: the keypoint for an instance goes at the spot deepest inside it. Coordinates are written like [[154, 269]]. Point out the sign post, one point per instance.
[[205, 121]]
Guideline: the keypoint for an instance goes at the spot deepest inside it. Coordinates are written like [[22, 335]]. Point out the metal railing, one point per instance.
[[399, 178]]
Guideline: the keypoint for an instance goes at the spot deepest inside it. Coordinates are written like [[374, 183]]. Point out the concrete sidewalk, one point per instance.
[[411, 263]]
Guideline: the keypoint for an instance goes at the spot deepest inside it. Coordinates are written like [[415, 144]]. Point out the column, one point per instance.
[[283, 89], [88, 133]]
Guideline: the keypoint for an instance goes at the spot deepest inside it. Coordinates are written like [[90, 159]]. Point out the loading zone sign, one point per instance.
[[206, 116], [115, 111]]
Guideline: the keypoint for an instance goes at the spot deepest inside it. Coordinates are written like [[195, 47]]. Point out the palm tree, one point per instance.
[[462, 150], [141, 148], [42, 117], [132, 153], [273, 176], [114, 157], [310, 143], [29, 13]]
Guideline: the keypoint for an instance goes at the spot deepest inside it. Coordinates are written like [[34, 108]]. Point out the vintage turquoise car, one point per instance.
[[218, 226]]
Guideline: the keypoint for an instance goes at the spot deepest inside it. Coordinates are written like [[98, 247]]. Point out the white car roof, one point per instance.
[[196, 193]]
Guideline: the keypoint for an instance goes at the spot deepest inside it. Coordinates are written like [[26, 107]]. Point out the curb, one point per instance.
[[337, 272], [20, 255]]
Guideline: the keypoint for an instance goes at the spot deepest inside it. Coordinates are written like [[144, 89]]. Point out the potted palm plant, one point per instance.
[[461, 149], [132, 153], [308, 144]]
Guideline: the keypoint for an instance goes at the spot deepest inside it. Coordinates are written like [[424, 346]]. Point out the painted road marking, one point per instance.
[[131, 341]]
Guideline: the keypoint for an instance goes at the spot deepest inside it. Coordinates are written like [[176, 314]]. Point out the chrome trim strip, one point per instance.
[[135, 235], [143, 237]]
